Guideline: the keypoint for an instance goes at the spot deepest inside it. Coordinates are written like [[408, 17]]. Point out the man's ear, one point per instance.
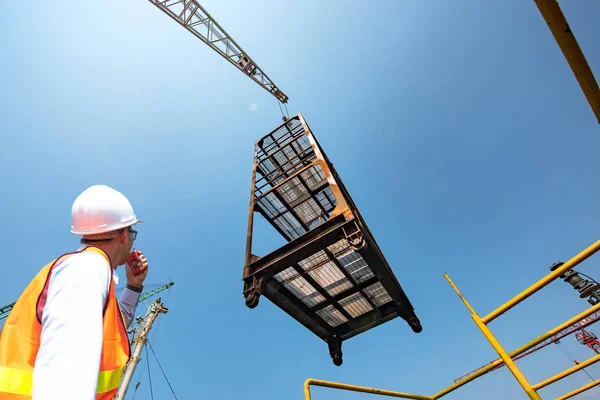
[[123, 236]]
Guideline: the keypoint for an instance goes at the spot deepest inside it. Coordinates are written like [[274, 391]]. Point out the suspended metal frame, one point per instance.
[[331, 275], [193, 17]]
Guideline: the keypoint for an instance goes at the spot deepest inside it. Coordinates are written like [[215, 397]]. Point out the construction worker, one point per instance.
[[66, 337]]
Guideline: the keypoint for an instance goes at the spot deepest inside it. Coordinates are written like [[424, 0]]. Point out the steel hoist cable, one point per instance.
[[162, 370]]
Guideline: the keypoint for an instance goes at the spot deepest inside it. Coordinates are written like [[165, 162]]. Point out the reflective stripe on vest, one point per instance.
[[16, 381], [19, 381]]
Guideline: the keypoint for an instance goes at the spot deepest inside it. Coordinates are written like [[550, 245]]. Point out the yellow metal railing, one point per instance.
[[540, 284], [352, 388], [580, 390], [505, 357], [482, 323]]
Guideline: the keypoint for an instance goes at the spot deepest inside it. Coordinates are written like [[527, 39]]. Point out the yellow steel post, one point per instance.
[[498, 347], [510, 364], [362, 389], [580, 390], [567, 372], [307, 384], [563, 35], [541, 283]]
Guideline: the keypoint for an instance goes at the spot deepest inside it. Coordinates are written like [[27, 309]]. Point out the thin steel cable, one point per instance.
[[280, 109], [149, 376], [588, 375], [286, 110], [137, 385], [573, 359], [161, 368]]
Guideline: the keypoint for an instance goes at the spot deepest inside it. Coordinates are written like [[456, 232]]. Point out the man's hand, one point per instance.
[[137, 280]]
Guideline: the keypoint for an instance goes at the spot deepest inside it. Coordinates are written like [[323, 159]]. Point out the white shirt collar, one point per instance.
[[115, 275]]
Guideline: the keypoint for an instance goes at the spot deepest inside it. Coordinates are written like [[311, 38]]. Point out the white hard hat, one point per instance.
[[100, 210]]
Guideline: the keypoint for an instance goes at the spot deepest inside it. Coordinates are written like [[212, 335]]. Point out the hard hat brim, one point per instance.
[[97, 232]]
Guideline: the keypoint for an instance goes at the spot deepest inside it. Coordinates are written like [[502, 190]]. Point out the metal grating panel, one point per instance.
[[378, 294], [357, 267], [314, 177], [326, 198], [282, 136], [356, 305], [271, 205], [351, 261], [310, 213], [332, 316], [290, 225], [299, 287], [326, 273], [293, 208], [293, 192], [291, 189]]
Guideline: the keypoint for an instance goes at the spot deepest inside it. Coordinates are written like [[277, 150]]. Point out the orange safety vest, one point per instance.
[[20, 339]]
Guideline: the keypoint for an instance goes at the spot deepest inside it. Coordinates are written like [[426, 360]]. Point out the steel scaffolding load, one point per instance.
[[331, 276]]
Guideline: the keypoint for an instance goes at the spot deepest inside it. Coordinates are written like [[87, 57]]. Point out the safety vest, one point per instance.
[[20, 339]]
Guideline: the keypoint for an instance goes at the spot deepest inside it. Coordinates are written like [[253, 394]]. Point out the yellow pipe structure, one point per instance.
[[563, 35], [541, 283], [362, 389], [497, 346], [483, 371], [459, 294], [518, 351], [510, 364], [470, 378], [580, 390], [556, 330], [567, 372]]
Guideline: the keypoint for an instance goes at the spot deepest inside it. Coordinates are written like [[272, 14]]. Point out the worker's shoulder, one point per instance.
[[87, 260], [88, 257]]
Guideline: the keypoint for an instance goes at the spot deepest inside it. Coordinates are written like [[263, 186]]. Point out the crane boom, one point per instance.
[[149, 293], [193, 17]]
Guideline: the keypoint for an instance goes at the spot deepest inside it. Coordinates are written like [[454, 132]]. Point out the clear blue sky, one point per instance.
[[458, 128]]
